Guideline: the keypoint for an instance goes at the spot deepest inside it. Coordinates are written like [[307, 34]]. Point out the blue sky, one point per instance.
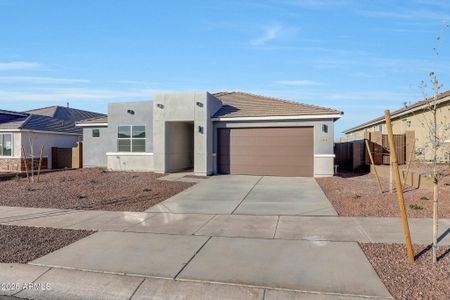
[[359, 56]]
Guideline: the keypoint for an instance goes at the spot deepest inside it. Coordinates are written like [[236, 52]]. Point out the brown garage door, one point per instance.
[[266, 151]]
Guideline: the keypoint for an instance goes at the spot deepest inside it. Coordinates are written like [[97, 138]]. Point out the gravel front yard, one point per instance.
[[91, 189], [354, 194], [20, 244], [404, 281]]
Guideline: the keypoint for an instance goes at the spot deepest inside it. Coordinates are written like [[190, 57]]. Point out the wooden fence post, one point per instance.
[[410, 158], [400, 197], [40, 163], [26, 164], [374, 167]]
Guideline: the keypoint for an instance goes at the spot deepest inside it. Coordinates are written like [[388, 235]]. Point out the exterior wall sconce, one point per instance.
[[325, 128], [200, 129], [159, 105], [199, 104], [130, 111]]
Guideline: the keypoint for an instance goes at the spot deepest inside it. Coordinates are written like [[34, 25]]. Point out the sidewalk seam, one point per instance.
[[203, 226], [37, 278], [193, 256], [137, 288], [276, 227]]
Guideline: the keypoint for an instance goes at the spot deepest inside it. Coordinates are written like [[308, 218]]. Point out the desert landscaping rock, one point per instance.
[[91, 189], [423, 280], [354, 194], [19, 244]]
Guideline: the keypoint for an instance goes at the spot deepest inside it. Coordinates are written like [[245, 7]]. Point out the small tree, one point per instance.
[[435, 147]]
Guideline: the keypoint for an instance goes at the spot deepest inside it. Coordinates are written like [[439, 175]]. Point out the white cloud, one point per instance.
[[20, 65], [40, 80], [271, 33], [298, 82]]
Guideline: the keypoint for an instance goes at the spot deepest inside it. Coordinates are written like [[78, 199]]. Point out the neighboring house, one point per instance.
[[49, 127], [412, 117], [222, 133]]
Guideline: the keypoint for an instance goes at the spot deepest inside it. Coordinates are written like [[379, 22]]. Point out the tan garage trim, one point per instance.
[[283, 151]]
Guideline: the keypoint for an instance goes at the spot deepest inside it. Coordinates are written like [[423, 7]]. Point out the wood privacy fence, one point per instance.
[[353, 155], [70, 158]]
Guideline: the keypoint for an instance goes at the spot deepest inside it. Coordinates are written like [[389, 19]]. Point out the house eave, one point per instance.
[[278, 118], [91, 124], [39, 131]]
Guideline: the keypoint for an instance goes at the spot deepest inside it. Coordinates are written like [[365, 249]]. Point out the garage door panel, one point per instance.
[[266, 151], [270, 150], [287, 171], [266, 160], [275, 131], [268, 141]]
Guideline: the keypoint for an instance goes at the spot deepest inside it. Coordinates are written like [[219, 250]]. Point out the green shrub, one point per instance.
[[415, 207]]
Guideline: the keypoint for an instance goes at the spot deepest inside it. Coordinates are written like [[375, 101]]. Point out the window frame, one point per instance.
[[2, 143], [96, 130], [131, 138]]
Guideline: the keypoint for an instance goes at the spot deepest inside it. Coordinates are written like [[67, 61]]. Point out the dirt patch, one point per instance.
[[354, 194], [404, 281], [20, 244], [91, 189]]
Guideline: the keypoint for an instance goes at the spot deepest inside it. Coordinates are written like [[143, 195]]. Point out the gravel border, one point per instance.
[[423, 280], [21, 244]]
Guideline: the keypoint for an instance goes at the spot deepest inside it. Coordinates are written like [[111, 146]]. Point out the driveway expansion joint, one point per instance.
[[246, 195]]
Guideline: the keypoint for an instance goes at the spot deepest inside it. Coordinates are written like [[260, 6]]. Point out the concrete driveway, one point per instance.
[[251, 195]]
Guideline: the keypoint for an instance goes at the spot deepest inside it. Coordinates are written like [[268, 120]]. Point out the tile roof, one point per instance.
[[404, 109], [65, 113], [240, 104], [53, 118], [12, 113]]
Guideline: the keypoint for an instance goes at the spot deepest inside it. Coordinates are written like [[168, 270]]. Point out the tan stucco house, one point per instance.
[[412, 117]]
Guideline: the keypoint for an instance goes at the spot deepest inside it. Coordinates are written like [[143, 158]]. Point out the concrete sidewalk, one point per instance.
[[330, 228], [248, 255], [54, 283]]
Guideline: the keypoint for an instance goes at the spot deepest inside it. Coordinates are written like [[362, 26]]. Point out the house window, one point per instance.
[[6, 144], [131, 139], [95, 132]]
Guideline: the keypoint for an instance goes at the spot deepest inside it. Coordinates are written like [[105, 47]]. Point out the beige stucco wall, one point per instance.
[[48, 140], [417, 122], [196, 107], [130, 161]]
